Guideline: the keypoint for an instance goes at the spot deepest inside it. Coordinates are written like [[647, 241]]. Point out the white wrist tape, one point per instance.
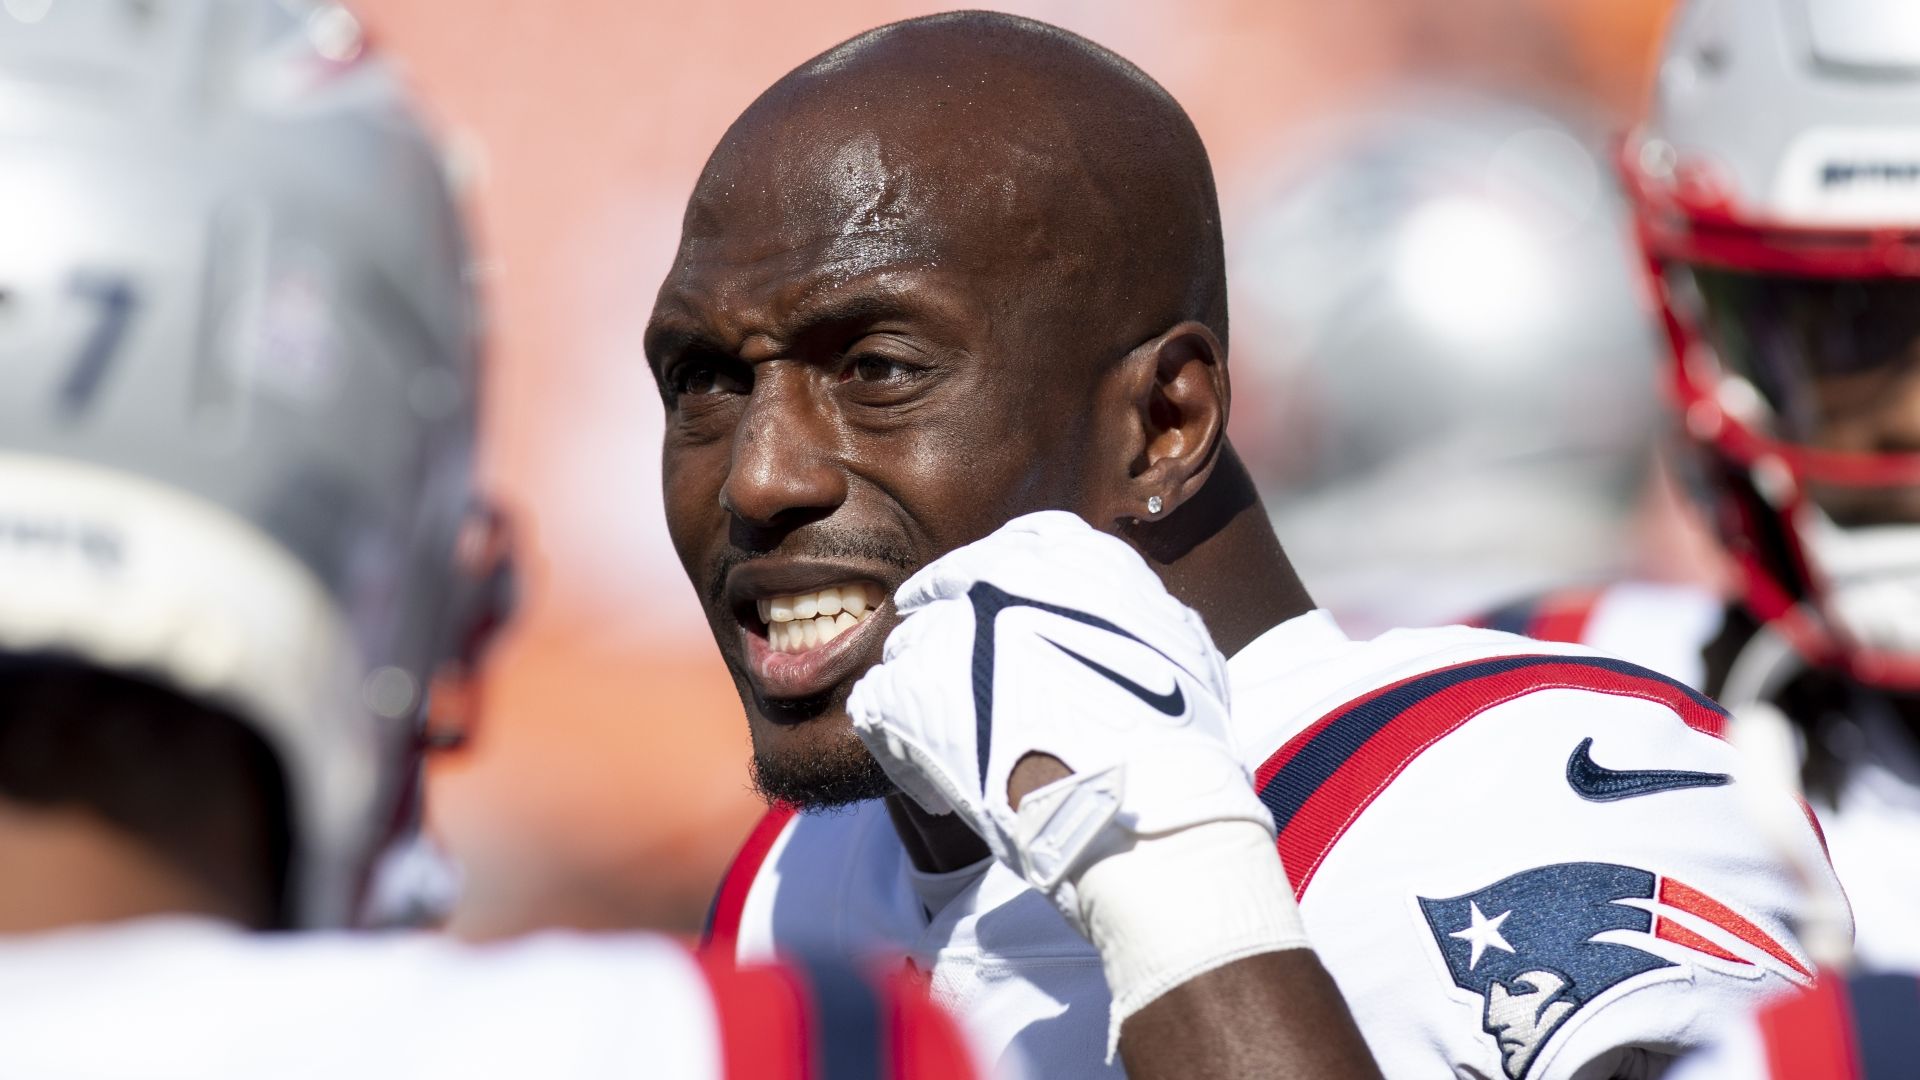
[[1176, 905]]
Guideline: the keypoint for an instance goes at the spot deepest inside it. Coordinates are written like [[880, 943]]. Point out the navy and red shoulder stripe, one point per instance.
[[730, 899], [1323, 778], [1863, 1028]]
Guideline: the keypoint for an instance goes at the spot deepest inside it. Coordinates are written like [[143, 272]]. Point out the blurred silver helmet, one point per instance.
[[1443, 364], [1776, 184], [237, 387]]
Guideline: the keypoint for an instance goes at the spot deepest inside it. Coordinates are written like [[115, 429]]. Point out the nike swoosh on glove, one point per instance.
[[1050, 636]]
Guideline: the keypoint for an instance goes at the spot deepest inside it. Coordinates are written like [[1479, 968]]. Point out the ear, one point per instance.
[[1178, 396], [486, 592]]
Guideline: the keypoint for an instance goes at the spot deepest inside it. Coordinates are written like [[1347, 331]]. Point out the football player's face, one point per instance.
[[1833, 362], [1872, 411], [853, 386]]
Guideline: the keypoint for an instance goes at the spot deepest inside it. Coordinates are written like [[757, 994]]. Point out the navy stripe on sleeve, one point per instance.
[[849, 1035], [1886, 1020], [1316, 762]]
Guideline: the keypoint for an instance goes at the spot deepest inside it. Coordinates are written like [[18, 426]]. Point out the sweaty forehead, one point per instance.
[[842, 173]]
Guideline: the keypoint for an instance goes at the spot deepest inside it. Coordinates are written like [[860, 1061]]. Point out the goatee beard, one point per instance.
[[844, 775]]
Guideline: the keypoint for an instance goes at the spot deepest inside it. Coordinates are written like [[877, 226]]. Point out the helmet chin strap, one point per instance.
[[1871, 580]]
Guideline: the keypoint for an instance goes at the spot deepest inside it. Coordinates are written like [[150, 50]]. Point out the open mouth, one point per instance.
[[803, 644], [803, 621]]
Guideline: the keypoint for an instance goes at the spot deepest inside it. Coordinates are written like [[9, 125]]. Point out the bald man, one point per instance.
[[964, 268]]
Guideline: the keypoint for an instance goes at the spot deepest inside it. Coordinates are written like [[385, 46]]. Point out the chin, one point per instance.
[[814, 762]]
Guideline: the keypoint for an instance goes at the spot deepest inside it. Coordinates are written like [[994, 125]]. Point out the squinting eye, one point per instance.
[[697, 378], [877, 369]]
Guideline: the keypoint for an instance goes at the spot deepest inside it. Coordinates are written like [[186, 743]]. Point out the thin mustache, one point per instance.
[[824, 548]]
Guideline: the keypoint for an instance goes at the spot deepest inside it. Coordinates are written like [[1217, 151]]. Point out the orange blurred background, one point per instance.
[[608, 788]]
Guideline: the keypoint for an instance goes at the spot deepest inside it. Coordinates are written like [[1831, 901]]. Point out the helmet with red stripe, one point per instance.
[[1776, 188]]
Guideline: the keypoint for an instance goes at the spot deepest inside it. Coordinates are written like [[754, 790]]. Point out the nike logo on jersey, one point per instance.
[[1597, 783], [1169, 704], [988, 602]]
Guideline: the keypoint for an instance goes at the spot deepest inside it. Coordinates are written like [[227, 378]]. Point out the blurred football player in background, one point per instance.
[[238, 430], [239, 540], [1776, 184], [1447, 390]]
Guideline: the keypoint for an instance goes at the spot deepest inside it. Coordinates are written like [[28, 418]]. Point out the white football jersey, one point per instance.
[[182, 998], [1517, 859], [1873, 819]]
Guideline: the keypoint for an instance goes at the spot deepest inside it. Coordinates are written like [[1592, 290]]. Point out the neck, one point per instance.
[[69, 868], [1219, 556], [936, 845]]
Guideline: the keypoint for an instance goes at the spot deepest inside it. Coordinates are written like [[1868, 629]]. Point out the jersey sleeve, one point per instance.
[[1737, 1054], [1541, 866]]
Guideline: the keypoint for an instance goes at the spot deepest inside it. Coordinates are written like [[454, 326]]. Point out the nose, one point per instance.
[[1896, 422], [786, 468]]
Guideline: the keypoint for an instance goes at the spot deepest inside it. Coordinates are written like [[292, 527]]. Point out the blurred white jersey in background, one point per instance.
[[178, 998]]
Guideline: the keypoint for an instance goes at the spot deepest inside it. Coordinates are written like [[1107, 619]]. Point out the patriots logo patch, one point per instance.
[[1530, 945]]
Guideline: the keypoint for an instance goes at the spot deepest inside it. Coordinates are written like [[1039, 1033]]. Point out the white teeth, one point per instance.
[[808, 620]]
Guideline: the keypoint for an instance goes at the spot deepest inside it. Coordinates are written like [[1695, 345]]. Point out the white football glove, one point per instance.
[[1050, 636]]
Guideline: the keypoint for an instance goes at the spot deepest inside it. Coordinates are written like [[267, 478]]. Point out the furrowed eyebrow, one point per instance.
[[664, 340], [850, 309], [843, 313], [672, 338]]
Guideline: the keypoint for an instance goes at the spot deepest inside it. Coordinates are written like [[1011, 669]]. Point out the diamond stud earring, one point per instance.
[[1153, 504]]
